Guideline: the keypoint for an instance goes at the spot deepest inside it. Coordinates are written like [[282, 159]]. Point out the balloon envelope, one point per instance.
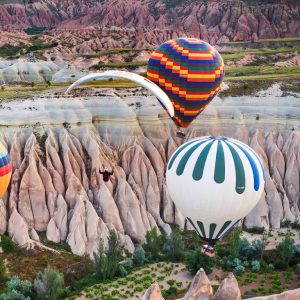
[[214, 182], [5, 169], [190, 71], [144, 82]]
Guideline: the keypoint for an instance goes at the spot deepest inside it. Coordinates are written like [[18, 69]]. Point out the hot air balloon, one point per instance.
[[191, 72], [5, 169], [214, 182], [144, 82]]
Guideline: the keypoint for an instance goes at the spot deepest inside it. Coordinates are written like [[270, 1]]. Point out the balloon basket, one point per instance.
[[180, 134], [208, 250]]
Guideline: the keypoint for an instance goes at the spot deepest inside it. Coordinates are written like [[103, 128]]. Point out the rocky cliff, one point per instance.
[[215, 21], [58, 145]]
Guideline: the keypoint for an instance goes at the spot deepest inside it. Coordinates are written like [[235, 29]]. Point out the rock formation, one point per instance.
[[215, 21], [201, 289], [60, 144]]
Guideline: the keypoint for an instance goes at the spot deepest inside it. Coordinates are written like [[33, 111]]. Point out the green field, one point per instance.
[[113, 51]]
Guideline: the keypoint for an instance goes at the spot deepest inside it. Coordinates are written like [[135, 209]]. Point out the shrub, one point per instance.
[[286, 223], [153, 244], [255, 266], [233, 263], [171, 282], [256, 230], [17, 289], [127, 263], [122, 272], [280, 264], [49, 284], [195, 259], [174, 246], [8, 245], [270, 266], [139, 257], [246, 263], [2, 87], [169, 292], [239, 269]]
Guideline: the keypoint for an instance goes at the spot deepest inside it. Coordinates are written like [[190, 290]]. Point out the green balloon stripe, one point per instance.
[[186, 157], [240, 180], [177, 152], [220, 164], [224, 227], [200, 163], [201, 227], [192, 223]]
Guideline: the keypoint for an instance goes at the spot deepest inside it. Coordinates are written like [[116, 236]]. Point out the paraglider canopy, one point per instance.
[[144, 82]]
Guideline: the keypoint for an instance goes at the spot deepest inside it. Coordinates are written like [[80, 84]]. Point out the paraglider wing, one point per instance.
[[149, 85], [5, 169], [214, 182]]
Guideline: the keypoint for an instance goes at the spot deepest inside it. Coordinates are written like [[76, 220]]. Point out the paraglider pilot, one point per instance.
[[106, 174]]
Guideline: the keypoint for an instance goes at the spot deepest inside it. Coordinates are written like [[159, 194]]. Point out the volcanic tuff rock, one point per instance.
[[214, 21], [201, 289], [60, 144]]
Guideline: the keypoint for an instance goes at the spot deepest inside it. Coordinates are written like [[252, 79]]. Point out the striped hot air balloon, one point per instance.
[[190, 71], [5, 169], [215, 182]]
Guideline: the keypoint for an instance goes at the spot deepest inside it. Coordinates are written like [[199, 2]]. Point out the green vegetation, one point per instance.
[[195, 259], [153, 244], [35, 30], [117, 65], [49, 284], [174, 246], [107, 262], [113, 51], [237, 54], [2, 270], [261, 73], [8, 245], [17, 289], [6, 51], [139, 257]]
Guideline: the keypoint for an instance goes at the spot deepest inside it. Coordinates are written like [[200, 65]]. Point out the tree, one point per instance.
[[17, 289], [262, 245], [234, 242], [174, 246], [286, 250], [107, 264], [195, 259], [153, 244], [49, 284]]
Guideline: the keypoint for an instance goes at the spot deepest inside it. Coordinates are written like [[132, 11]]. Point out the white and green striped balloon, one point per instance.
[[215, 182]]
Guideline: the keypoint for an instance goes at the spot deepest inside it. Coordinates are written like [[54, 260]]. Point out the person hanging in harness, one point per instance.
[[106, 174]]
